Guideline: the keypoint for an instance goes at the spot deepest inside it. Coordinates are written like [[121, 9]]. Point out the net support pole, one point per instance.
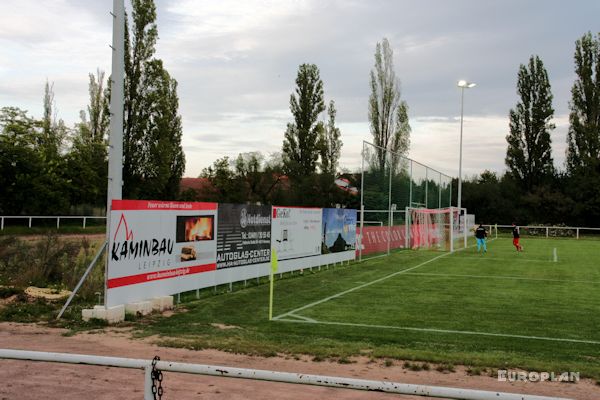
[[451, 229], [410, 185], [426, 186], [406, 227], [362, 201], [465, 227], [440, 191], [391, 213]]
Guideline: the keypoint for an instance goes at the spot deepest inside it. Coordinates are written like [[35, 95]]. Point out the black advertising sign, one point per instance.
[[243, 235]]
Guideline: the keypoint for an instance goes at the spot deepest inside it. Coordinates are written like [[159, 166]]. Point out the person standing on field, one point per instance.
[[480, 235], [516, 236]]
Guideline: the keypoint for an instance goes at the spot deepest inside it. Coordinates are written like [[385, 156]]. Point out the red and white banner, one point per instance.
[[152, 242], [376, 238]]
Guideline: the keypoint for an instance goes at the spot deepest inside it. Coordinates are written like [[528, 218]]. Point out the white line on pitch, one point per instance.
[[486, 258], [408, 328], [302, 318], [361, 286], [502, 277]]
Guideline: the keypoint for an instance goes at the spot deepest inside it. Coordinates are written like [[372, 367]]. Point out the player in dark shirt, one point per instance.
[[516, 237], [480, 235]]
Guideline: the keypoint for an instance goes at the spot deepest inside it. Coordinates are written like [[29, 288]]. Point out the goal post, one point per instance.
[[436, 228]]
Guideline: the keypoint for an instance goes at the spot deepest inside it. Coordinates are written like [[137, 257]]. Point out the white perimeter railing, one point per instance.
[[549, 229], [262, 375], [30, 219]]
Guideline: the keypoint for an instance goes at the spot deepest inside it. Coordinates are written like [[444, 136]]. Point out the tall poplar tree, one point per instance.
[[583, 140], [388, 114], [153, 158], [529, 152], [301, 142], [330, 142]]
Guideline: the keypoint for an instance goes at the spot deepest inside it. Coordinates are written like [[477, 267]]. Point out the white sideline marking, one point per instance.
[[408, 328], [503, 277], [364, 285]]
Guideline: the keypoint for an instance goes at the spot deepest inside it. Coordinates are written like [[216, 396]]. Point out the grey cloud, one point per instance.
[[236, 64]]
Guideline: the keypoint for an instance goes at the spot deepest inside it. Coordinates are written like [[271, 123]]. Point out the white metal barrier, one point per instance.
[[30, 219], [575, 230], [264, 375]]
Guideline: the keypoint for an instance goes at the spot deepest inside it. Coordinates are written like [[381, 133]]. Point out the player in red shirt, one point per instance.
[[516, 236]]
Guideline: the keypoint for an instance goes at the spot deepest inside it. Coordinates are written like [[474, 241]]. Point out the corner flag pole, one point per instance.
[[272, 279], [115, 141]]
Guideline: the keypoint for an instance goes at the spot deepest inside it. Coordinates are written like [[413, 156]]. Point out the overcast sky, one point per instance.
[[236, 62]]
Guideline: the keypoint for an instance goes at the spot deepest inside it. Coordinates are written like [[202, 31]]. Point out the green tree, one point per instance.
[[529, 152], [223, 180], [153, 158], [301, 144], [583, 152], [87, 167], [388, 114], [30, 183], [330, 143]]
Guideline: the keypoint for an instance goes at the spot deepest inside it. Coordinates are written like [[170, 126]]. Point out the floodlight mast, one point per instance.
[[115, 141], [462, 84]]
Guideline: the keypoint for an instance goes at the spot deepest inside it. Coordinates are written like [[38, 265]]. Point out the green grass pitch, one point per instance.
[[501, 309]]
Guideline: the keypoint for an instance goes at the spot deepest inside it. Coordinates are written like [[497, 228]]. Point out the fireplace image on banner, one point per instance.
[[191, 229], [195, 228]]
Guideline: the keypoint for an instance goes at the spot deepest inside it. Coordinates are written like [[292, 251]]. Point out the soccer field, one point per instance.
[[501, 309], [501, 293]]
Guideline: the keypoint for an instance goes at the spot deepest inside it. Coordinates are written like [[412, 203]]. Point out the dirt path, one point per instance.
[[34, 380]]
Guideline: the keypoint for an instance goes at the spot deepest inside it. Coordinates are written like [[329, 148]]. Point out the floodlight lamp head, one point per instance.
[[465, 85]]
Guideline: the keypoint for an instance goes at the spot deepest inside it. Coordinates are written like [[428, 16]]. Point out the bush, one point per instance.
[[49, 262]]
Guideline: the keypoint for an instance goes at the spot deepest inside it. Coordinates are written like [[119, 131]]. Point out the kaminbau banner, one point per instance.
[[158, 248], [244, 236]]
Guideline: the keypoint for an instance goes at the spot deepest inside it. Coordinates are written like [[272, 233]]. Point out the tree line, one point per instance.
[[532, 190], [305, 170], [47, 168]]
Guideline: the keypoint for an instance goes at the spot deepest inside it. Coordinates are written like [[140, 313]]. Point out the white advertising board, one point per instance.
[[296, 232], [158, 248]]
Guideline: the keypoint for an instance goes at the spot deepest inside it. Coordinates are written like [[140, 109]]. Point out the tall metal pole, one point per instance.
[[462, 101], [426, 186], [362, 199], [115, 143], [440, 191], [410, 185], [391, 217]]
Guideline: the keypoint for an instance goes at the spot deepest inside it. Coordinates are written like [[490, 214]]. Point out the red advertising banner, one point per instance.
[[376, 238]]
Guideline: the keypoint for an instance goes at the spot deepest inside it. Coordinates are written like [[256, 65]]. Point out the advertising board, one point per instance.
[[339, 230], [296, 231], [244, 236], [152, 242]]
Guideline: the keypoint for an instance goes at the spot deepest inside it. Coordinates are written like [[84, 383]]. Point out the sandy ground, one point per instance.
[[34, 380]]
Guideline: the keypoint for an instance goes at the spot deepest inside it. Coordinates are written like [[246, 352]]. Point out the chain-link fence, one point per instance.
[[389, 184]]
